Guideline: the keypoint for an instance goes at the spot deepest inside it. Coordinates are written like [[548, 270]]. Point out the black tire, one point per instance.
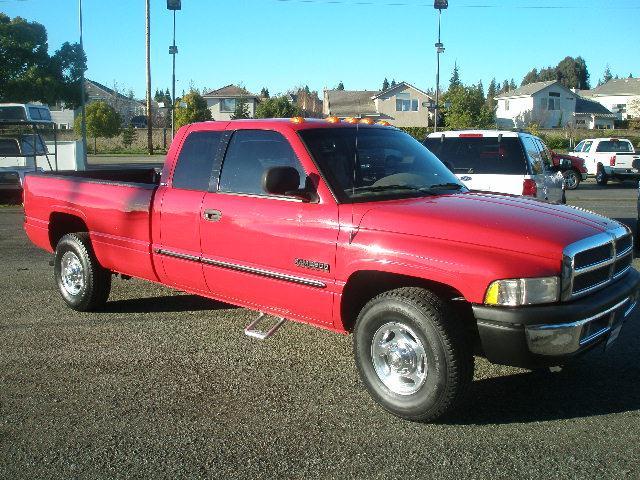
[[601, 177], [84, 285], [572, 179], [447, 353]]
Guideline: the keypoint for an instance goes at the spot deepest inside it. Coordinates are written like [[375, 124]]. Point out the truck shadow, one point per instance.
[[596, 384], [165, 304]]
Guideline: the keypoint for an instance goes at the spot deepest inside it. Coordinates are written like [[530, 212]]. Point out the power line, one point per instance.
[[577, 6]]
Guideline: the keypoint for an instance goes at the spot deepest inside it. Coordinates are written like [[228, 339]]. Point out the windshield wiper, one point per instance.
[[382, 188], [446, 186]]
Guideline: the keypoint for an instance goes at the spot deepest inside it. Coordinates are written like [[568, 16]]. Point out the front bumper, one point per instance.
[[552, 334]]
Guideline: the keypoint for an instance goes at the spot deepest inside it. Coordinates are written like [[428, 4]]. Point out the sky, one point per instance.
[[281, 44]]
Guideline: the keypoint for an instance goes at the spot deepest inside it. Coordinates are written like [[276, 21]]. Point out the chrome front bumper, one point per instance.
[[568, 338]]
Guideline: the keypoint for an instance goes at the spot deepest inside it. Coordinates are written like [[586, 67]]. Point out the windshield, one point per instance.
[[387, 163], [480, 155]]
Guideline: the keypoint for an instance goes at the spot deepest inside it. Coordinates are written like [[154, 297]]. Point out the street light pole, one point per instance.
[[173, 80], [149, 123], [83, 120], [438, 47]]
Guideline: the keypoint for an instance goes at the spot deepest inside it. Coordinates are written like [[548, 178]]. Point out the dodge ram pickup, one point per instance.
[[353, 227]]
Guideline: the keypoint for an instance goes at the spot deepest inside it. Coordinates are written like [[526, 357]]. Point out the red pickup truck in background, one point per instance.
[[351, 227]]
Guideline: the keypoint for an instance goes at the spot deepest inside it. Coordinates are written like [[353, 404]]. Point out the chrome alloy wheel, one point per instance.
[[399, 358], [571, 180], [72, 273]]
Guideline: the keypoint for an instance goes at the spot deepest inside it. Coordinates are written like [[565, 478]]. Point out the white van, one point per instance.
[[501, 161]]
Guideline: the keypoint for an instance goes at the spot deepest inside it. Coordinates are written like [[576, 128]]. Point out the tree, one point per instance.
[[573, 73], [103, 121], [340, 86], [455, 77], [128, 135], [277, 107], [468, 108], [385, 84], [393, 83], [194, 109], [505, 86], [512, 85], [264, 93], [492, 91], [241, 109], [29, 73], [606, 76], [530, 77]]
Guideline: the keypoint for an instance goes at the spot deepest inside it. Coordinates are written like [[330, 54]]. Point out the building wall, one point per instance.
[[611, 102], [386, 107], [214, 106], [63, 118], [517, 115]]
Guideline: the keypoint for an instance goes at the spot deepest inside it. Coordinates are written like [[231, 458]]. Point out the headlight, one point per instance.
[[523, 291]]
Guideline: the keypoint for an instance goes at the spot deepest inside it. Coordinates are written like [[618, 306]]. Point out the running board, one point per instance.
[[251, 330]]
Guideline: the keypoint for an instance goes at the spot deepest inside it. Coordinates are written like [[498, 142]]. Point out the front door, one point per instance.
[[270, 253]]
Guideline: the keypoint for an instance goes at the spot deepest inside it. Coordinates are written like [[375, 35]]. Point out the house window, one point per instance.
[[553, 102], [228, 105], [404, 103], [506, 105]]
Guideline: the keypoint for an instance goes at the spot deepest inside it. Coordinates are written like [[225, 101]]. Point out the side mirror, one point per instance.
[[283, 181], [565, 164]]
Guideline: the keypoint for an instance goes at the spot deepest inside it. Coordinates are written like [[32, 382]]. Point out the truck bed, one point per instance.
[[115, 206]]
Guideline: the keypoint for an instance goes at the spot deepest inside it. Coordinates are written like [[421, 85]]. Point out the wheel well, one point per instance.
[[62, 223], [364, 285]]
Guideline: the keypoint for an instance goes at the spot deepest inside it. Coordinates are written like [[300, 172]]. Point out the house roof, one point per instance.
[[109, 91], [351, 102], [621, 86], [528, 90], [396, 87], [584, 106], [230, 91]]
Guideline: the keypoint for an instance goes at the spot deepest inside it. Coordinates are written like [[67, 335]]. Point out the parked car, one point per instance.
[[500, 161], [354, 228], [609, 158], [574, 175]]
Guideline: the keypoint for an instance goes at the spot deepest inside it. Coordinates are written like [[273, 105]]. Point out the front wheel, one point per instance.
[[571, 179], [83, 283], [601, 177], [412, 354]]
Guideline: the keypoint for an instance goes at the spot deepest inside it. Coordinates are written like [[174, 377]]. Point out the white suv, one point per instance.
[[500, 161]]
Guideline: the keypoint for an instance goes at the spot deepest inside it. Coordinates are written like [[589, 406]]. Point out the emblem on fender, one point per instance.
[[310, 264]]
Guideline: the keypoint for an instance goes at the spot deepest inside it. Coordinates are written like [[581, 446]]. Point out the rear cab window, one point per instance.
[[614, 146], [195, 164], [480, 155]]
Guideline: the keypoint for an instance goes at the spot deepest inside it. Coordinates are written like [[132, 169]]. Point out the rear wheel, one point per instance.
[[571, 179], [601, 177], [83, 283], [412, 354]]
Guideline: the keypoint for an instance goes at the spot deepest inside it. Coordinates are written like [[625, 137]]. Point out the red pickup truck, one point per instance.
[[351, 227]]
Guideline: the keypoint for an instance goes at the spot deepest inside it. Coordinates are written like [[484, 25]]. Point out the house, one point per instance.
[[592, 115], [620, 96], [222, 102], [400, 105], [549, 104], [126, 106]]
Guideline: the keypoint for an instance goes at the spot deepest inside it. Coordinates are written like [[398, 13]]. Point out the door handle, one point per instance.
[[212, 215]]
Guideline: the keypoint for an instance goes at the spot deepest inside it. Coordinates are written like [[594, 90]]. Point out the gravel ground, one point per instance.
[[165, 385]]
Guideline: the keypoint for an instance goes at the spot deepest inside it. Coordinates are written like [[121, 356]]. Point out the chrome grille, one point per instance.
[[594, 262]]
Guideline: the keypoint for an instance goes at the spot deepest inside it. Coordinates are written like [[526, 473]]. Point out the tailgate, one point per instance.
[[626, 160]]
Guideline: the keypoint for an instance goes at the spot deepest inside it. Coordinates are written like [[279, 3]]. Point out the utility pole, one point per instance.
[[83, 121], [149, 116], [173, 50], [439, 5]]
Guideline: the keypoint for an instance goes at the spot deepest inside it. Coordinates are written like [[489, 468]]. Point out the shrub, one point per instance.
[[419, 133]]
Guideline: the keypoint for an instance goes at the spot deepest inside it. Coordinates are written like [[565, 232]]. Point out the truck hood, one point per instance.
[[500, 222]]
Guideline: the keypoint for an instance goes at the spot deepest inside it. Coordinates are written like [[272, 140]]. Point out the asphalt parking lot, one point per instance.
[[166, 385]]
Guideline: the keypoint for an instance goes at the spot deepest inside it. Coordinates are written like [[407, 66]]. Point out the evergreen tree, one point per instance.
[[530, 77], [393, 83], [455, 82], [492, 91], [385, 84], [505, 86], [340, 86], [264, 93], [607, 75]]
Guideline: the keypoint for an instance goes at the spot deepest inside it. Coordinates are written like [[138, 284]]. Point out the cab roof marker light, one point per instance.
[[384, 123], [351, 120], [333, 119], [367, 121], [297, 120]]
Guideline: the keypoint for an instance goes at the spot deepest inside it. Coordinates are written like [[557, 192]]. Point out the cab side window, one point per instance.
[[587, 146], [249, 155], [534, 155], [544, 153], [195, 163]]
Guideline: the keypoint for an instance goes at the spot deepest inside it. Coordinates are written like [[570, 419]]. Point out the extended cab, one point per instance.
[[351, 227], [609, 158]]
